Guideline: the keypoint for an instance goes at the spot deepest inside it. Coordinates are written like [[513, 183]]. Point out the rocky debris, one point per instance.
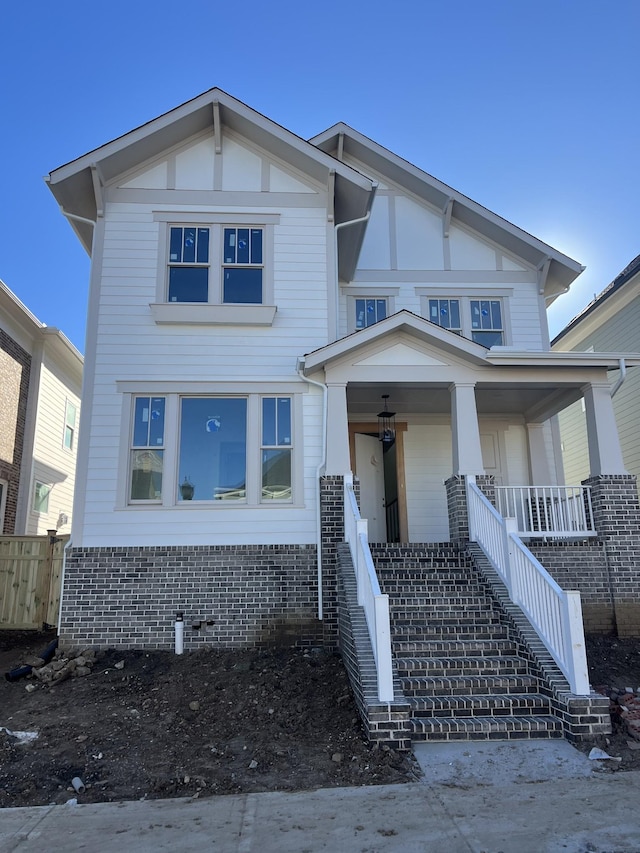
[[66, 663], [624, 707]]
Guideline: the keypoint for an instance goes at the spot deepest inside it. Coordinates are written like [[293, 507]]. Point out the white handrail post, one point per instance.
[[576, 651], [383, 643], [509, 526], [362, 528]]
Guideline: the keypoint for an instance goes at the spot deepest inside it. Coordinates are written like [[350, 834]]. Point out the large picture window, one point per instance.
[[213, 449], [276, 449], [147, 451]]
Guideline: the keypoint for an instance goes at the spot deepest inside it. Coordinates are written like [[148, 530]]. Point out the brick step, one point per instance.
[[408, 631], [468, 685], [436, 599], [409, 576], [484, 728], [417, 666], [481, 705], [433, 618], [454, 648], [438, 590]]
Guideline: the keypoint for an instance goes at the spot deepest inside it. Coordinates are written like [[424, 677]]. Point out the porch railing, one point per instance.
[[547, 511], [554, 613], [375, 604]]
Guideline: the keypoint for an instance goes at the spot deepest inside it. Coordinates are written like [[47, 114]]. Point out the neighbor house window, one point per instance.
[[480, 320], [147, 449], [41, 492], [212, 462], [188, 264], [242, 265], [276, 448], [70, 425], [370, 311]]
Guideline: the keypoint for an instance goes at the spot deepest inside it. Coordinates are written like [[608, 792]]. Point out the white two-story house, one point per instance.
[[263, 310]]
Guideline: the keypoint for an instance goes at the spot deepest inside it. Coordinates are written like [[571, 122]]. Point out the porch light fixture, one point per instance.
[[186, 490], [386, 424]]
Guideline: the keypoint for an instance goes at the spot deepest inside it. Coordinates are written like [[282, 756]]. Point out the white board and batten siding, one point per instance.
[[131, 348], [405, 237]]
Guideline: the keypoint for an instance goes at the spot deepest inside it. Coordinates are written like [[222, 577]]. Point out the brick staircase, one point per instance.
[[461, 665]]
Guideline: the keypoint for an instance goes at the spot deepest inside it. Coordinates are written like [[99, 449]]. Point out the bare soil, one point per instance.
[[212, 722], [198, 724]]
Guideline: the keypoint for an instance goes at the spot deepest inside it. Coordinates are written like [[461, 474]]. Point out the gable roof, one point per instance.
[[560, 270], [76, 185], [619, 282]]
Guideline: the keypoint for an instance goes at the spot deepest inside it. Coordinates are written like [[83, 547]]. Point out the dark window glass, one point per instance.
[[202, 255], [488, 339], [284, 420], [189, 246], [276, 475], [268, 421], [242, 252], [243, 285], [156, 422], [188, 284], [256, 246], [175, 245], [229, 245]]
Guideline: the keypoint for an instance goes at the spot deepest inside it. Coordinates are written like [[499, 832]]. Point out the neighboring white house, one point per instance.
[[255, 302], [610, 322], [41, 378]]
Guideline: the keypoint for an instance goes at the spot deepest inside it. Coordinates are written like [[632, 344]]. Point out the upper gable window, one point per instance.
[[480, 320], [215, 269], [242, 265], [188, 265]]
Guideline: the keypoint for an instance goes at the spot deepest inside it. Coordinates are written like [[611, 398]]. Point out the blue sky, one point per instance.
[[529, 108]]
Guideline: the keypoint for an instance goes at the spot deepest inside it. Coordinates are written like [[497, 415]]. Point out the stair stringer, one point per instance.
[[384, 723], [582, 717]]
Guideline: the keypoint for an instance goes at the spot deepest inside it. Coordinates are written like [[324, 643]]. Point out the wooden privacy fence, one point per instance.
[[30, 580]]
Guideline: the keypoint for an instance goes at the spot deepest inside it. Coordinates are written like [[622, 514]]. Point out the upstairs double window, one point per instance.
[[481, 320], [219, 264]]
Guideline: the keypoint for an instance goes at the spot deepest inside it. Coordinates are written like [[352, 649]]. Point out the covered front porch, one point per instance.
[[460, 409]]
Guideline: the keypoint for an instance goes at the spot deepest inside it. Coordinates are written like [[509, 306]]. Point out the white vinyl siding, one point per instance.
[[131, 346]]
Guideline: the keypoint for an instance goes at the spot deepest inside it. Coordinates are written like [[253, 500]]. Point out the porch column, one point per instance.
[[338, 461], [539, 470], [605, 453], [467, 452]]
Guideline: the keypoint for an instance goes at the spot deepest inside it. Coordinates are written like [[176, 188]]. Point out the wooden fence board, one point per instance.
[[30, 580]]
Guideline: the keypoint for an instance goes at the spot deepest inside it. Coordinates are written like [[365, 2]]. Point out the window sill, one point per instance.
[[205, 314]]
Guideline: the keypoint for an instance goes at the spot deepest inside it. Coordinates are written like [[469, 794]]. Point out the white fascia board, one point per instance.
[[16, 311], [609, 360], [166, 131], [63, 353], [465, 210], [402, 321]]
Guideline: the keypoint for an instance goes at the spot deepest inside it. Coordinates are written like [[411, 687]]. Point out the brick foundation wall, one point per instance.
[[253, 596], [457, 503], [332, 523], [14, 391]]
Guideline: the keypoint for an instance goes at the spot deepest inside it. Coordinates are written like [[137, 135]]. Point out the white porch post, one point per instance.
[[337, 429], [605, 453], [467, 452], [539, 469]]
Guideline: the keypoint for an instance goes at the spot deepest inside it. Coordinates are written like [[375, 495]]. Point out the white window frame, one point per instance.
[[215, 311], [36, 496], [173, 392], [290, 446], [465, 297], [354, 293], [67, 426], [141, 448]]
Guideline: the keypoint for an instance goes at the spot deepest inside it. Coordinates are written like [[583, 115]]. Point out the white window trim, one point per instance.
[[465, 296], [74, 436], [173, 392], [215, 311], [49, 486], [353, 293]]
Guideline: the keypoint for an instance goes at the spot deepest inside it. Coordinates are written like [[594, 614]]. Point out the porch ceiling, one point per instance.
[[365, 400]]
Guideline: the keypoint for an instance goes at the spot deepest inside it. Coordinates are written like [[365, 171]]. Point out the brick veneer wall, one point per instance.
[[332, 524], [457, 503], [10, 468], [128, 597]]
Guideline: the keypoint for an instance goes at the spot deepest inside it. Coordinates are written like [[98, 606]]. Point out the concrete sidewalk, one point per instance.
[[598, 813]]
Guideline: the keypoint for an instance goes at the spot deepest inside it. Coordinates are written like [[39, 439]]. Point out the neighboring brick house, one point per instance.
[[610, 322], [256, 302], [40, 385]]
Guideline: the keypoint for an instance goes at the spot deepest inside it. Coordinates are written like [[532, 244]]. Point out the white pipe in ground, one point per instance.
[[179, 633]]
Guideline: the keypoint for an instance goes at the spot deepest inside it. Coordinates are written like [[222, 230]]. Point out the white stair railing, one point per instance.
[[547, 511], [374, 603], [554, 613]]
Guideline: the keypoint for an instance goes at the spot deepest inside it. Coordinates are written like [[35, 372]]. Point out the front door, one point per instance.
[[370, 472]]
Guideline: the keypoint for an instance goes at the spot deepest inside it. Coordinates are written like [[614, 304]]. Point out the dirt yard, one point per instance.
[[152, 725]]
